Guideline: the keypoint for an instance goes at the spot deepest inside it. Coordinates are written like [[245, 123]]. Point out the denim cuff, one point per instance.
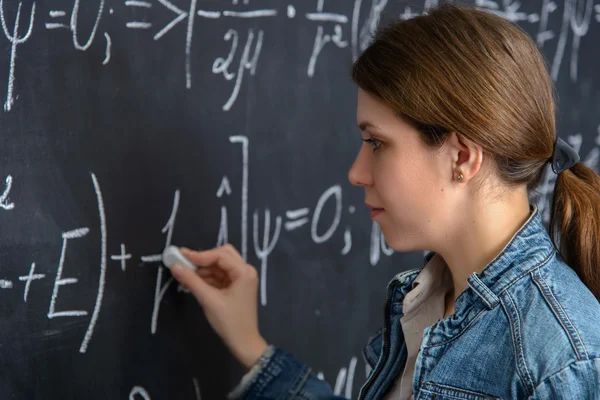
[[282, 377], [242, 387]]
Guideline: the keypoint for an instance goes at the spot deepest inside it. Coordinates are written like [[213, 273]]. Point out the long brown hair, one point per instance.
[[460, 69]]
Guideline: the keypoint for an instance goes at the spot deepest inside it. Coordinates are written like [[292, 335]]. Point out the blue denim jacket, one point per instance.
[[526, 327]]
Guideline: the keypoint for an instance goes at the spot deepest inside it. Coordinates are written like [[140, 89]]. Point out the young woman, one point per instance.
[[456, 113]]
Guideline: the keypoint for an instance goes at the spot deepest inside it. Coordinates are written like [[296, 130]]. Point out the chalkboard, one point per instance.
[[130, 125]]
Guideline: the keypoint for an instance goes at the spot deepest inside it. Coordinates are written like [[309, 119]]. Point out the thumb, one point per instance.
[[194, 283]]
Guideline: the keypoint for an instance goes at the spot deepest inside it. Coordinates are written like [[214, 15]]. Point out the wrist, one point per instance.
[[249, 355]]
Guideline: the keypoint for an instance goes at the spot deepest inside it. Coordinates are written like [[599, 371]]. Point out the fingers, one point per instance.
[[224, 257], [203, 291], [207, 272], [214, 277], [214, 282]]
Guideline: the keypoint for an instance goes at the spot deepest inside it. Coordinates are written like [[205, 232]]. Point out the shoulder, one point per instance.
[[554, 319], [553, 296], [577, 380]]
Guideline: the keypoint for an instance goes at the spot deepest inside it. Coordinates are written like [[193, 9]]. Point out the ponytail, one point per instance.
[[576, 217]]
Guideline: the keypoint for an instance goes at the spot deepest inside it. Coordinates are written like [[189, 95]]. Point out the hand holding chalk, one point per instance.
[[227, 289], [172, 255]]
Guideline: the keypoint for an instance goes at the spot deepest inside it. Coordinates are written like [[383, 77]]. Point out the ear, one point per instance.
[[466, 155]]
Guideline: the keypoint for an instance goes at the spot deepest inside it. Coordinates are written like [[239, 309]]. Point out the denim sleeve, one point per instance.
[[579, 380], [251, 375], [279, 375]]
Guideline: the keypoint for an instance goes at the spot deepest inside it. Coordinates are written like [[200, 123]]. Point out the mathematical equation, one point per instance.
[[263, 243], [321, 226], [332, 30]]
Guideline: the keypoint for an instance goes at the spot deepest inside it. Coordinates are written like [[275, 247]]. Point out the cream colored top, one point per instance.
[[423, 306]]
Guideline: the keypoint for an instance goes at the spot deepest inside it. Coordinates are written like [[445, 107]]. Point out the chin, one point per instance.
[[402, 243], [404, 247]]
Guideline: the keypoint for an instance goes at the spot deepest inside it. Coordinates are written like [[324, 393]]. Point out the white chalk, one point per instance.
[[172, 255]]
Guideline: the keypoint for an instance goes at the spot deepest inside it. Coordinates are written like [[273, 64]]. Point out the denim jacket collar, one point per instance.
[[529, 247]]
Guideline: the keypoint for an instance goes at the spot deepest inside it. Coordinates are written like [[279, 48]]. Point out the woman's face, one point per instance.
[[406, 182]]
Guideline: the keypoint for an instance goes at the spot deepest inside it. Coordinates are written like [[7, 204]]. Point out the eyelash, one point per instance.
[[373, 142]]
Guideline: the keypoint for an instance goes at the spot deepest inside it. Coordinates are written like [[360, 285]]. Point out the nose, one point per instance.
[[360, 173]]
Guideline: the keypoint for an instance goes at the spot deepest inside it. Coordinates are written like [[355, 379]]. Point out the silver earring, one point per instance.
[[459, 177]]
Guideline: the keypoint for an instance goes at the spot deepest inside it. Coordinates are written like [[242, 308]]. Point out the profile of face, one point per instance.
[[408, 185]]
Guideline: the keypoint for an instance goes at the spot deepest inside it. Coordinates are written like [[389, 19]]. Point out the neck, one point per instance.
[[481, 235]]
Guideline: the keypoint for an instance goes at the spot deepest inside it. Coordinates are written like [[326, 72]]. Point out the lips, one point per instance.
[[375, 211]]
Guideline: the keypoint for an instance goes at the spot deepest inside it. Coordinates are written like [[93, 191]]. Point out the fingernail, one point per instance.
[[176, 269]]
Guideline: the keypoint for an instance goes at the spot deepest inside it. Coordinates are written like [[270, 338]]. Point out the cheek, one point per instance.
[[408, 182]]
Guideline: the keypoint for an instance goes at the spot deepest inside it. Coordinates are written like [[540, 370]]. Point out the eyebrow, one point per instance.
[[366, 124]]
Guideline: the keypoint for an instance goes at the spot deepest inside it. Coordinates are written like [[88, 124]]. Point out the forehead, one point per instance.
[[379, 119], [366, 102], [371, 112]]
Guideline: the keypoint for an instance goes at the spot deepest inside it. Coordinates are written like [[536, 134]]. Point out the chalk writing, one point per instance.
[[580, 23], [575, 16], [161, 289], [267, 247], [335, 191], [144, 395], [267, 228], [60, 281], [362, 39], [247, 62], [331, 28], [5, 284], [56, 14], [122, 257], [28, 279], [244, 48], [378, 244], [297, 217], [322, 39], [108, 47], [181, 15], [244, 200], [5, 203], [345, 379], [15, 40], [74, 21], [138, 390], [102, 279]]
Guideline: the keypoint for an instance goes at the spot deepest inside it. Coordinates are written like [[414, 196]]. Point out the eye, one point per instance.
[[373, 142]]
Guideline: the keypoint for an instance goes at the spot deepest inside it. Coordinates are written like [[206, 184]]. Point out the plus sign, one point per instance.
[[28, 279], [122, 257]]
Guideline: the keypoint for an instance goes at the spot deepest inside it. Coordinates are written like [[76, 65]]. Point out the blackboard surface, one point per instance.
[[130, 125]]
